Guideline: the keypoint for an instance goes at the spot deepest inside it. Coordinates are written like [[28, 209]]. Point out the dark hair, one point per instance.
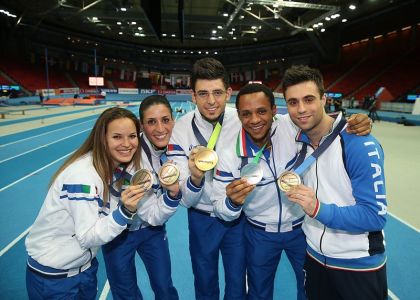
[[255, 88], [97, 144], [300, 73], [210, 69], [153, 100]]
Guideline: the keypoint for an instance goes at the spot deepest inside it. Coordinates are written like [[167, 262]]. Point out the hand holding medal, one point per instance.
[[206, 158], [252, 172], [142, 177], [238, 190]]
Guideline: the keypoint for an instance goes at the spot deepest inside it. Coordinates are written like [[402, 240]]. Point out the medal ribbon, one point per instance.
[[145, 147], [301, 165], [214, 135], [241, 143]]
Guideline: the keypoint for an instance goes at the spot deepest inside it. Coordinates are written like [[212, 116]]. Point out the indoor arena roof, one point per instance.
[[192, 24]]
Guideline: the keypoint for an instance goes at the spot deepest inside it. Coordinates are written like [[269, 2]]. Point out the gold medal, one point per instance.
[[168, 173], [205, 159], [288, 180], [142, 177]]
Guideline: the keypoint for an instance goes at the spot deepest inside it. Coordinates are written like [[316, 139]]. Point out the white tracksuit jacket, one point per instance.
[[349, 181], [71, 224], [266, 206], [179, 148]]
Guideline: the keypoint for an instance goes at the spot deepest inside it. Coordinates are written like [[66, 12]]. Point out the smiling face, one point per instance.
[[305, 105], [157, 125], [256, 115], [122, 140], [211, 96]]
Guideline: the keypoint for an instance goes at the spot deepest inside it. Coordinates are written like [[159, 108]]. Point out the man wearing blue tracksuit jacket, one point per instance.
[[343, 196]]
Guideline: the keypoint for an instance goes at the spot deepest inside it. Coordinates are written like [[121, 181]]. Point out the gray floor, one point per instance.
[[402, 169]]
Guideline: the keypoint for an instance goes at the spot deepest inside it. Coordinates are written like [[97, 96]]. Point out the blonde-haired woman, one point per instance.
[[76, 219]]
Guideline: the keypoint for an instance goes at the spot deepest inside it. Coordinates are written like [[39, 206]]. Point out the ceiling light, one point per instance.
[[118, 23], [173, 35], [226, 15], [215, 52], [207, 52], [123, 9], [192, 35], [352, 6], [120, 33], [137, 34], [327, 19], [234, 37], [214, 31], [140, 28], [219, 27], [133, 23], [323, 30], [163, 34], [344, 20]]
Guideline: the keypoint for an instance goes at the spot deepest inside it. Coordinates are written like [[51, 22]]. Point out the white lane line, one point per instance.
[[45, 133], [43, 146], [105, 291], [14, 242], [392, 295], [404, 222], [34, 172]]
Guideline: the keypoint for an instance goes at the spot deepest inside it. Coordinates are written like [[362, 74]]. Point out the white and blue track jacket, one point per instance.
[[157, 206], [71, 224], [183, 140], [348, 178], [266, 206]]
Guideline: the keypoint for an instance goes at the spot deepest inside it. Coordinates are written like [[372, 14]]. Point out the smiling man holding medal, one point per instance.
[[247, 181], [343, 196], [194, 139]]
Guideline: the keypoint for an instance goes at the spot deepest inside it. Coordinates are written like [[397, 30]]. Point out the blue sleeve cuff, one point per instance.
[[323, 213], [172, 202], [231, 205], [192, 187], [119, 217]]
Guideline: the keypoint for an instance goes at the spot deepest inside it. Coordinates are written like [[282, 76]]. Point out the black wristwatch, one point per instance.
[[129, 214]]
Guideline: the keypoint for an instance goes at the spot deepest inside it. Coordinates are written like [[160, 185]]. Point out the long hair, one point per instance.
[[97, 144]]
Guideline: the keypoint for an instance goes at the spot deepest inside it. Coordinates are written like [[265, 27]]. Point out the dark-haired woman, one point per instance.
[[147, 233], [76, 219]]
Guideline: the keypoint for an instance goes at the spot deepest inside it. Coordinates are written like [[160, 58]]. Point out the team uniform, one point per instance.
[[67, 233], [146, 235], [208, 234], [346, 255], [273, 223]]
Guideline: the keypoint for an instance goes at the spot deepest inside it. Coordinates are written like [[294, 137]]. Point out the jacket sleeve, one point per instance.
[[83, 199], [224, 174], [178, 152], [364, 161], [156, 210]]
